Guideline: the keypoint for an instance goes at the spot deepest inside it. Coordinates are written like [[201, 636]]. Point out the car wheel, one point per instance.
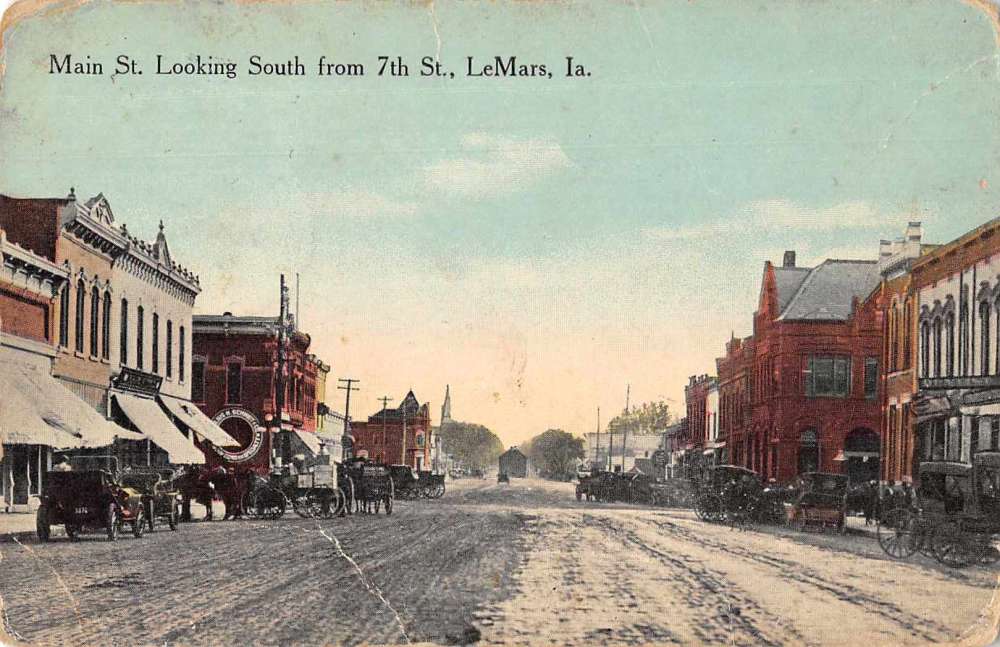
[[42, 526], [72, 531], [112, 522], [139, 523], [172, 521]]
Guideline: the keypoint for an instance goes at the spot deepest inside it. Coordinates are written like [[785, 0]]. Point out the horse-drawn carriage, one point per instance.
[[737, 494], [89, 500], [316, 493], [411, 484], [160, 492], [957, 516], [818, 499], [372, 483]]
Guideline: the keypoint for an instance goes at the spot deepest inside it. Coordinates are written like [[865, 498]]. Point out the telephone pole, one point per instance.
[[279, 394], [385, 402], [628, 392], [597, 441], [349, 383]]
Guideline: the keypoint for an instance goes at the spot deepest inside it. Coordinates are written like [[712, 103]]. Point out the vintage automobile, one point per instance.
[[817, 499], [956, 517], [160, 493], [89, 500]]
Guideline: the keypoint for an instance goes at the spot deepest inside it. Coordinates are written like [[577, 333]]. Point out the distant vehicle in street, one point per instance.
[[818, 499], [503, 478], [90, 500]]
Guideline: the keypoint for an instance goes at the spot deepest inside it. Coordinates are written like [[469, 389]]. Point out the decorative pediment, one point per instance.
[[160, 249], [100, 210]]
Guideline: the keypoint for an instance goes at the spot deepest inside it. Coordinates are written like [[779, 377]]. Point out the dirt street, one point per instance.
[[518, 564]]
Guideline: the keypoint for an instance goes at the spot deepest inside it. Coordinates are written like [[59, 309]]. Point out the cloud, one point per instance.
[[767, 216], [357, 204], [494, 164]]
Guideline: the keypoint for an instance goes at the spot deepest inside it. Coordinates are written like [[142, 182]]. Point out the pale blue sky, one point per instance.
[[535, 243]]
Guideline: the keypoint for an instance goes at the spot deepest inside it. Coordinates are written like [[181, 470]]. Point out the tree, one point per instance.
[[472, 445], [648, 418], [555, 454]]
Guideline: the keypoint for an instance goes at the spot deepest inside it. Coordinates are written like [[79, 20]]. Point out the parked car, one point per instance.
[[90, 500], [161, 494]]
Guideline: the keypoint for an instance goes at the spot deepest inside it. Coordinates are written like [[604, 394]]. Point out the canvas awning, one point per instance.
[[991, 409], [310, 440], [36, 408], [146, 415], [198, 422]]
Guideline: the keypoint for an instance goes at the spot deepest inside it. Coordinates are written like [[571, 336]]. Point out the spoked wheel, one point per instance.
[[441, 489], [113, 522], [274, 504], [896, 533], [954, 547], [387, 501], [709, 508], [151, 517]]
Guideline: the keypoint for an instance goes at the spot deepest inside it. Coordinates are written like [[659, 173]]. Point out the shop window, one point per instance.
[[871, 378], [81, 297], [234, 383], [140, 337], [64, 317], [828, 377], [156, 343], [106, 327], [198, 380], [170, 349], [123, 341]]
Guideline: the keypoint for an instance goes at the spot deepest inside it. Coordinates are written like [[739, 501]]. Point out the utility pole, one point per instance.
[[279, 395], [628, 392], [611, 445], [597, 441], [404, 434], [385, 402], [349, 386]]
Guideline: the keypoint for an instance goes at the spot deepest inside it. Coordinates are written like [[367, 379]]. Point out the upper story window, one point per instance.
[[170, 349], [963, 339], [106, 327], [828, 377], [95, 315], [181, 341], [984, 338], [123, 334], [871, 378], [937, 330], [156, 343], [81, 298], [907, 332], [64, 317], [198, 380], [894, 338], [140, 337], [925, 349], [949, 351], [234, 382]]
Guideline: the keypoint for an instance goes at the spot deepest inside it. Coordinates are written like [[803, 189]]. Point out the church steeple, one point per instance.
[[446, 407]]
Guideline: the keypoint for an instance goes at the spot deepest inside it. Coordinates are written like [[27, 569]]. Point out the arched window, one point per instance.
[[64, 317], [123, 339], [106, 327], [170, 349], [81, 298], [925, 351], [139, 337], [156, 343], [963, 340], [95, 316], [894, 339], [907, 332], [808, 451], [949, 333], [180, 353], [937, 347], [984, 338]]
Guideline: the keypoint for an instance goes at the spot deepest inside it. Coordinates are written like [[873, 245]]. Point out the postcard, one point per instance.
[[500, 323]]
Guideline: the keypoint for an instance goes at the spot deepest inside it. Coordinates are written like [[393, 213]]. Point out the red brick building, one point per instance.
[[234, 371], [399, 436], [817, 344], [696, 402], [735, 406]]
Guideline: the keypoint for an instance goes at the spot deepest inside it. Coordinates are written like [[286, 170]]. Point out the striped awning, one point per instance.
[[198, 422], [146, 415]]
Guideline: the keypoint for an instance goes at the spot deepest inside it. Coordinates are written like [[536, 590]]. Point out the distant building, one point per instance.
[[399, 436], [514, 463], [598, 446]]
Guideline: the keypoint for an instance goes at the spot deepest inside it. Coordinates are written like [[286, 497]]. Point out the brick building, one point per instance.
[[734, 397], [233, 374], [400, 436], [958, 346], [815, 381]]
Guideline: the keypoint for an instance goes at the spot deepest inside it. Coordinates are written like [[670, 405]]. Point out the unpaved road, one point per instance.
[[518, 564]]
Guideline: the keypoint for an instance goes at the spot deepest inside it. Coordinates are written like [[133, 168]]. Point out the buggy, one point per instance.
[[818, 499], [734, 493], [433, 484], [160, 494], [89, 500], [957, 515], [373, 486]]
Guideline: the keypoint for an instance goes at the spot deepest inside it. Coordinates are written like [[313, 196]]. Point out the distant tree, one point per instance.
[[554, 454], [472, 445], [647, 418]]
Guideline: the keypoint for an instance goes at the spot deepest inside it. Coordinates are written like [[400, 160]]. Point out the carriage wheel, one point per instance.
[[274, 507], [954, 547], [709, 508], [441, 490], [388, 504], [897, 533], [150, 517], [302, 505]]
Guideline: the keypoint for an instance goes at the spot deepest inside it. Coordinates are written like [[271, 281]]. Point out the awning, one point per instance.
[[34, 397], [146, 415], [991, 409], [310, 440], [198, 422]]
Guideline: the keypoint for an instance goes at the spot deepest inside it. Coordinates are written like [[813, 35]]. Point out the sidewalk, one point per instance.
[[21, 525]]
